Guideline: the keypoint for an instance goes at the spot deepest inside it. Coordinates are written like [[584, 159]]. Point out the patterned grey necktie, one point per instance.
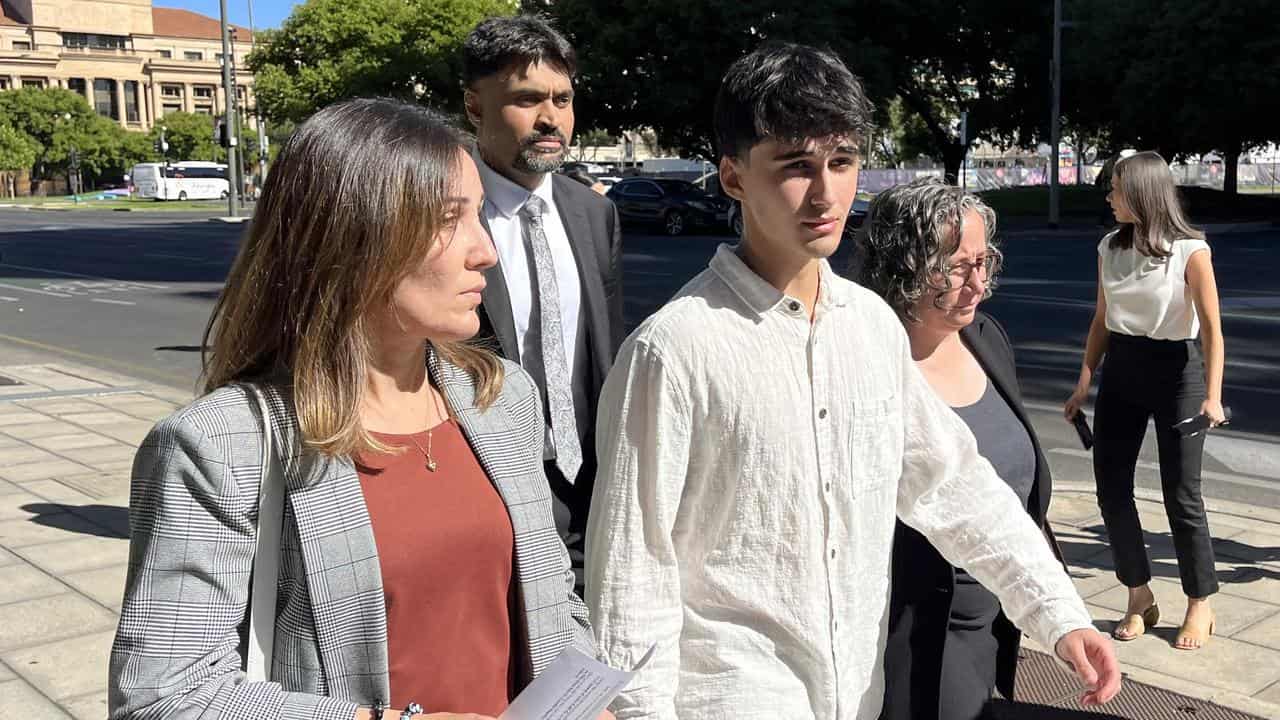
[[544, 345]]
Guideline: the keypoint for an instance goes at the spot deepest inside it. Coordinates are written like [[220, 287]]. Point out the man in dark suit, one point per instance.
[[554, 302]]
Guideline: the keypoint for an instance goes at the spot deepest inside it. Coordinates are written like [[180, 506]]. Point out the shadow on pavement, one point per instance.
[[108, 521]]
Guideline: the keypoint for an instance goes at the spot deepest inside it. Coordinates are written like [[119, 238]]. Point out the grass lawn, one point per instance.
[[1086, 202], [120, 204]]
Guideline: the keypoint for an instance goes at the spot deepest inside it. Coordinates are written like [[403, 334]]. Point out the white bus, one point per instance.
[[180, 181]]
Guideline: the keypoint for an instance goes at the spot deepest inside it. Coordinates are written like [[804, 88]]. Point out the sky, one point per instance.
[[266, 13]]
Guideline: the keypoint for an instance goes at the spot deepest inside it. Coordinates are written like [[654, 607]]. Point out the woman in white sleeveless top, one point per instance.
[[1158, 327]]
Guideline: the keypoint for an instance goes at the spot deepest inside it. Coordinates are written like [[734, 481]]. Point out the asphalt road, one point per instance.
[[132, 293]]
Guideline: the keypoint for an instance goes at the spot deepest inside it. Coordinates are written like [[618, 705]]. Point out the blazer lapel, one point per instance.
[[340, 557], [495, 302], [578, 227]]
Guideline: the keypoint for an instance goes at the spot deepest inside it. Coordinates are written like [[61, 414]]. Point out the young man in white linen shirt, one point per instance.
[[759, 434]]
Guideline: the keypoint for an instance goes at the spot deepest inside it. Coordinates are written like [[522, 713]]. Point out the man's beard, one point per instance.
[[531, 160]]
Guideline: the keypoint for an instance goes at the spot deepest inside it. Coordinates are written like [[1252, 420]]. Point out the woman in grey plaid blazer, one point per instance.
[[366, 253]]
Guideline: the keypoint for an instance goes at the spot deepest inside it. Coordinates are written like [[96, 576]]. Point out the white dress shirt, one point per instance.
[[503, 201], [751, 467], [1149, 296]]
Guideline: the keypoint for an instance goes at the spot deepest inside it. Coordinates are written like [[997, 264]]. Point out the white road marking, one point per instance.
[[87, 277], [113, 302], [8, 299], [34, 290]]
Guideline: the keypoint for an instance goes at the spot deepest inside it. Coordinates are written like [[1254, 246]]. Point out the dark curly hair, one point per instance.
[[910, 233]]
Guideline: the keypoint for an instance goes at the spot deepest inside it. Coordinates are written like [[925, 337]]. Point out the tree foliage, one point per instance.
[[659, 63], [1179, 76], [190, 137], [328, 50], [17, 150], [57, 120]]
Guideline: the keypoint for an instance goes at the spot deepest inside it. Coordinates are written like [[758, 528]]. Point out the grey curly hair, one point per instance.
[[908, 238]]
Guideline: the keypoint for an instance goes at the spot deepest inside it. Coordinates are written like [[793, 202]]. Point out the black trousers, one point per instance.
[[1161, 379]]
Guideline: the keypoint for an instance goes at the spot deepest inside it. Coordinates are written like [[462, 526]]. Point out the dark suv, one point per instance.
[[674, 205]]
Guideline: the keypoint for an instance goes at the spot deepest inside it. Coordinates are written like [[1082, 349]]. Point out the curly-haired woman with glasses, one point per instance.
[[928, 249]]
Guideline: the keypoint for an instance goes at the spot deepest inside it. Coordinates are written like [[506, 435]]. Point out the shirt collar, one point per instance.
[[762, 297], [506, 197]]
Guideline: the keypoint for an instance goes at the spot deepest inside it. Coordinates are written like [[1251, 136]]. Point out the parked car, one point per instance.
[[857, 215], [674, 205]]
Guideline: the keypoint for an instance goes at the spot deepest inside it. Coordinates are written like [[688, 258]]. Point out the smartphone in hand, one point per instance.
[[1193, 426], [1081, 424]]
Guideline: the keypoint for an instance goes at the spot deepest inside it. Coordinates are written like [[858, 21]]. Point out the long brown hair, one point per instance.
[[352, 204], [1145, 181]]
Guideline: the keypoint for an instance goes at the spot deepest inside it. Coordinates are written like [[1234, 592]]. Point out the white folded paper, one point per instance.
[[573, 687]]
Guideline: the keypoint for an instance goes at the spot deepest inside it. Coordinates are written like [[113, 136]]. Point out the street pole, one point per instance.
[[229, 112], [1055, 119], [257, 116]]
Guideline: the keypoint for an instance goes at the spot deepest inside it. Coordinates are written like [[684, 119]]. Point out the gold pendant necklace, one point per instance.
[[430, 461], [426, 454]]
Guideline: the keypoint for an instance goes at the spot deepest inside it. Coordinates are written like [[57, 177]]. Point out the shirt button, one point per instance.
[[795, 306], [822, 413], [828, 487], [833, 552]]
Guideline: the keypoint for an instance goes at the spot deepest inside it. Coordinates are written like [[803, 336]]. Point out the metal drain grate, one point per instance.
[[1046, 692]]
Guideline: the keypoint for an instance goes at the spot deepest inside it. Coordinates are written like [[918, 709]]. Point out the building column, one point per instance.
[[219, 100], [120, 106], [188, 101], [157, 110]]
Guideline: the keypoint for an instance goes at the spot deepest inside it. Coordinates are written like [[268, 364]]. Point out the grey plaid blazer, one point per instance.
[[179, 648]]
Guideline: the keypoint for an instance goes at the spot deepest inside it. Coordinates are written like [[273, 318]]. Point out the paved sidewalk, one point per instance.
[[67, 438]]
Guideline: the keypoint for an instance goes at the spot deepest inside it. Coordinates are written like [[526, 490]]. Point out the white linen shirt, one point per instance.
[[502, 204], [1149, 296], [751, 467]]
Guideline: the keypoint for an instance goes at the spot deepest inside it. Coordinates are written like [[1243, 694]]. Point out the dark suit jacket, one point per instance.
[[595, 234], [924, 582]]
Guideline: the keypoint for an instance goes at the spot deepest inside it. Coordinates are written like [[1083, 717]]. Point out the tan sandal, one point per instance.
[[1150, 617], [1184, 633]]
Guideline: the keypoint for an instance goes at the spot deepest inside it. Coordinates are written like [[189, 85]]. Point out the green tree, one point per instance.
[[658, 63], [190, 137], [17, 152], [1179, 76], [54, 118], [328, 50]]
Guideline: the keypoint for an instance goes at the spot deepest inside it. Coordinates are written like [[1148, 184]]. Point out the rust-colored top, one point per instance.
[[445, 547]]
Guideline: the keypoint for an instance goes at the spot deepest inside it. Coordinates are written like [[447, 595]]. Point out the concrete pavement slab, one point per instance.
[[1091, 579], [23, 454], [51, 377], [1234, 614], [1222, 663], [42, 429], [1265, 632], [58, 524], [67, 668], [73, 441], [1250, 546], [21, 582], [86, 707], [58, 491], [16, 416], [1271, 695], [132, 432], [106, 585], [100, 417], [44, 470], [33, 622], [11, 504], [95, 457], [5, 673], [1245, 580], [7, 558], [84, 553], [20, 701], [8, 488], [59, 406], [109, 485]]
